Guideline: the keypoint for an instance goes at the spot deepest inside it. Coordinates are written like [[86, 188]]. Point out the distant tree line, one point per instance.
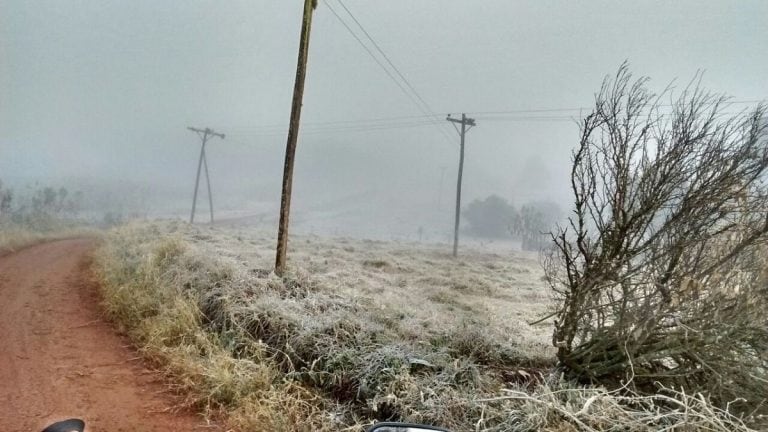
[[495, 217], [38, 204]]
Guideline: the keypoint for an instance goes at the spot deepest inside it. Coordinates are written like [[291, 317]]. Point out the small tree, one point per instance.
[[490, 217], [535, 220], [660, 272]]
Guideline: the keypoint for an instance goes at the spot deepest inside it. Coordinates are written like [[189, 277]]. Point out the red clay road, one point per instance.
[[59, 358]]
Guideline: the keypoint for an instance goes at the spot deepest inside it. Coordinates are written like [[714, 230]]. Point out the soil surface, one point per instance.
[[59, 357]]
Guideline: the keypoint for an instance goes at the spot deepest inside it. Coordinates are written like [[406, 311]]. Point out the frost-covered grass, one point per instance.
[[418, 288], [357, 331], [17, 236]]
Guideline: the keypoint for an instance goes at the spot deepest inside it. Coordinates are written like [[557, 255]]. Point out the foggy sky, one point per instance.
[[105, 89]]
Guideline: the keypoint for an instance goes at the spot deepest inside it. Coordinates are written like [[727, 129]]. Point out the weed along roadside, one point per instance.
[[341, 340], [279, 354]]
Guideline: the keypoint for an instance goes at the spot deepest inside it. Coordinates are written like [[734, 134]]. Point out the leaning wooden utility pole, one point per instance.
[[465, 121], [293, 135], [203, 134]]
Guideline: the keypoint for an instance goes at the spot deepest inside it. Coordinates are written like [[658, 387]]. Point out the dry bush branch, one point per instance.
[[662, 263]]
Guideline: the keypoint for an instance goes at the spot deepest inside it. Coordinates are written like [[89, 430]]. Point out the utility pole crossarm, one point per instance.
[[468, 121], [207, 131]]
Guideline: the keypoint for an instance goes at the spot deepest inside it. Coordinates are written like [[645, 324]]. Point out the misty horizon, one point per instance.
[[97, 96]]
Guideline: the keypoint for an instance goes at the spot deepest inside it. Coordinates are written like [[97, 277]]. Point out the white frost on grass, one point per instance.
[[422, 283], [369, 329]]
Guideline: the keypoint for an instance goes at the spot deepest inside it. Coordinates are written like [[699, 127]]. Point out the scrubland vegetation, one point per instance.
[[359, 331], [38, 214]]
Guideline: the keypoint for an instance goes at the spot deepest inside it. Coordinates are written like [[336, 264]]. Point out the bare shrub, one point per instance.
[[660, 270]]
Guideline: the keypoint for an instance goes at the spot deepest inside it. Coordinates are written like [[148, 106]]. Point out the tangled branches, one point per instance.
[[662, 264]]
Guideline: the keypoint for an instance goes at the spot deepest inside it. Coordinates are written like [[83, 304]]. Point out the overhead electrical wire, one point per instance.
[[372, 121], [353, 128], [387, 123], [410, 91], [368, 50], [386, 57], [547, 110]]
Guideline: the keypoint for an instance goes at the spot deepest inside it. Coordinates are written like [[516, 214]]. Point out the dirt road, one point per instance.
[[60, 359]]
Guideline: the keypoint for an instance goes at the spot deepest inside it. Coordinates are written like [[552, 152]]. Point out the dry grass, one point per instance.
[[359, 331], [147, 294], [14, 237]]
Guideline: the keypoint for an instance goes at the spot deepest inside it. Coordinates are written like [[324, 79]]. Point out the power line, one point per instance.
[[395, 68], [275, 132], [386, 57], [414, 97], [529, 111], [333, 128], [528, 118], [366, 126], [404, 122], [509, 115], [427, 119], [341, 123], [368, 50], [587, 108]]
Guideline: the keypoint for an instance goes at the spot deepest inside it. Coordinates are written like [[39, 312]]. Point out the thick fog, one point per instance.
[[97, 96]]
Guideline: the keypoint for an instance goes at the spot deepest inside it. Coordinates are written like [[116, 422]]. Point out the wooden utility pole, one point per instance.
[[465, 121], [293, 135], [204, 134]]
